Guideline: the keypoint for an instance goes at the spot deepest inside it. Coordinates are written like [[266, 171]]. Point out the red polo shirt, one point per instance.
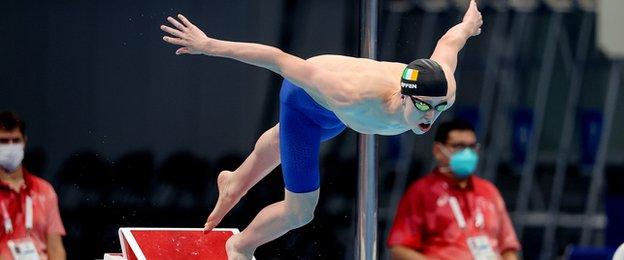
[[46, 217], [425, 220]]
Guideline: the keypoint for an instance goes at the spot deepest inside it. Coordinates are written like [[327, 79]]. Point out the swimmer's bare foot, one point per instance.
[[228, 197], [235, 253]]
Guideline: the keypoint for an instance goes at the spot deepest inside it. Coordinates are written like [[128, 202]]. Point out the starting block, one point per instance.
[[172, 243]]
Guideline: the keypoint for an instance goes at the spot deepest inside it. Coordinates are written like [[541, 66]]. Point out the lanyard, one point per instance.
[[28, 216], [8, 225], [459, 216]]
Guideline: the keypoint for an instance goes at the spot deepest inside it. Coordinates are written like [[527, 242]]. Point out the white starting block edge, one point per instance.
[[126, 235], [109, 256]]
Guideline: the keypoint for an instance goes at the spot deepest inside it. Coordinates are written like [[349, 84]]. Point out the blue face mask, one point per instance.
[[463, 163]]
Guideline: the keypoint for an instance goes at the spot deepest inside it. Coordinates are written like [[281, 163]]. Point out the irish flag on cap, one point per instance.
[[410, 74]]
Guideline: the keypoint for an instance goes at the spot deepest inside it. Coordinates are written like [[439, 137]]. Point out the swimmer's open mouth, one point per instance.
[[424, 126]]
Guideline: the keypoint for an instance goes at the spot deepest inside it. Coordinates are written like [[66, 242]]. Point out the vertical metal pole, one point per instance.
[[366, 246], [597, 177]]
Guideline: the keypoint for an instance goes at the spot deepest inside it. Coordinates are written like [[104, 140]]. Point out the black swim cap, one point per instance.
[[423, 77]]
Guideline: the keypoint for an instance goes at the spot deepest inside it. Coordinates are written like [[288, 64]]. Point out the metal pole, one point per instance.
[[366, 246], [597, 177]]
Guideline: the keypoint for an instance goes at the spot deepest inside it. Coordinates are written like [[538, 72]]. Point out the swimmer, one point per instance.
[[319, 98]]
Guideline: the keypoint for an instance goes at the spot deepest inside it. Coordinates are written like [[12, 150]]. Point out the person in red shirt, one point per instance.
[[30, 223], [451, 213]]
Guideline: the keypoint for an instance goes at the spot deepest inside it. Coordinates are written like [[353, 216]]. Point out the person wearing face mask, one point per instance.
[[30, 223], [451, 213]]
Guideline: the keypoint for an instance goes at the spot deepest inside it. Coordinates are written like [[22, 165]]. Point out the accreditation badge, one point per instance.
[[480, 248], [23, 249]]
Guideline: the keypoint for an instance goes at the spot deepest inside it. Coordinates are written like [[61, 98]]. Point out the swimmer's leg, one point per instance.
[[234, 185], [296, 210], [300, 140]]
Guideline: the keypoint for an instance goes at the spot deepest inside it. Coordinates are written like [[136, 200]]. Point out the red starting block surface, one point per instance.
[[174, 243]]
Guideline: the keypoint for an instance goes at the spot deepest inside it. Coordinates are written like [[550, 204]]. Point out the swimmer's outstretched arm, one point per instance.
[[455, 38], [313, 79]]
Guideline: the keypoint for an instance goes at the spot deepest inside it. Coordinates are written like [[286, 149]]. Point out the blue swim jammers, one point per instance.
[[304, 124]]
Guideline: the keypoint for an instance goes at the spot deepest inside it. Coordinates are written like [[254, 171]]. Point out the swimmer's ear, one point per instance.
[[182, 50]]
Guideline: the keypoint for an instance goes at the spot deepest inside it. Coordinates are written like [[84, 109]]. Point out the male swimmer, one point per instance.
[[319, 97]]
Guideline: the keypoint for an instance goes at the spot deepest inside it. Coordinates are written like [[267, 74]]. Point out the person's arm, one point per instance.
[[405, 253], [510, 255], [56, 250], [454, 39], [302, 73]]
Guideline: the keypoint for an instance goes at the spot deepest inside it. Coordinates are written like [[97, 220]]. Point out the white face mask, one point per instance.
[[11, 156]]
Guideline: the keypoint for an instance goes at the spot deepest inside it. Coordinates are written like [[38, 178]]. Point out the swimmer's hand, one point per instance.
[[473, 19], [187, 35]]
